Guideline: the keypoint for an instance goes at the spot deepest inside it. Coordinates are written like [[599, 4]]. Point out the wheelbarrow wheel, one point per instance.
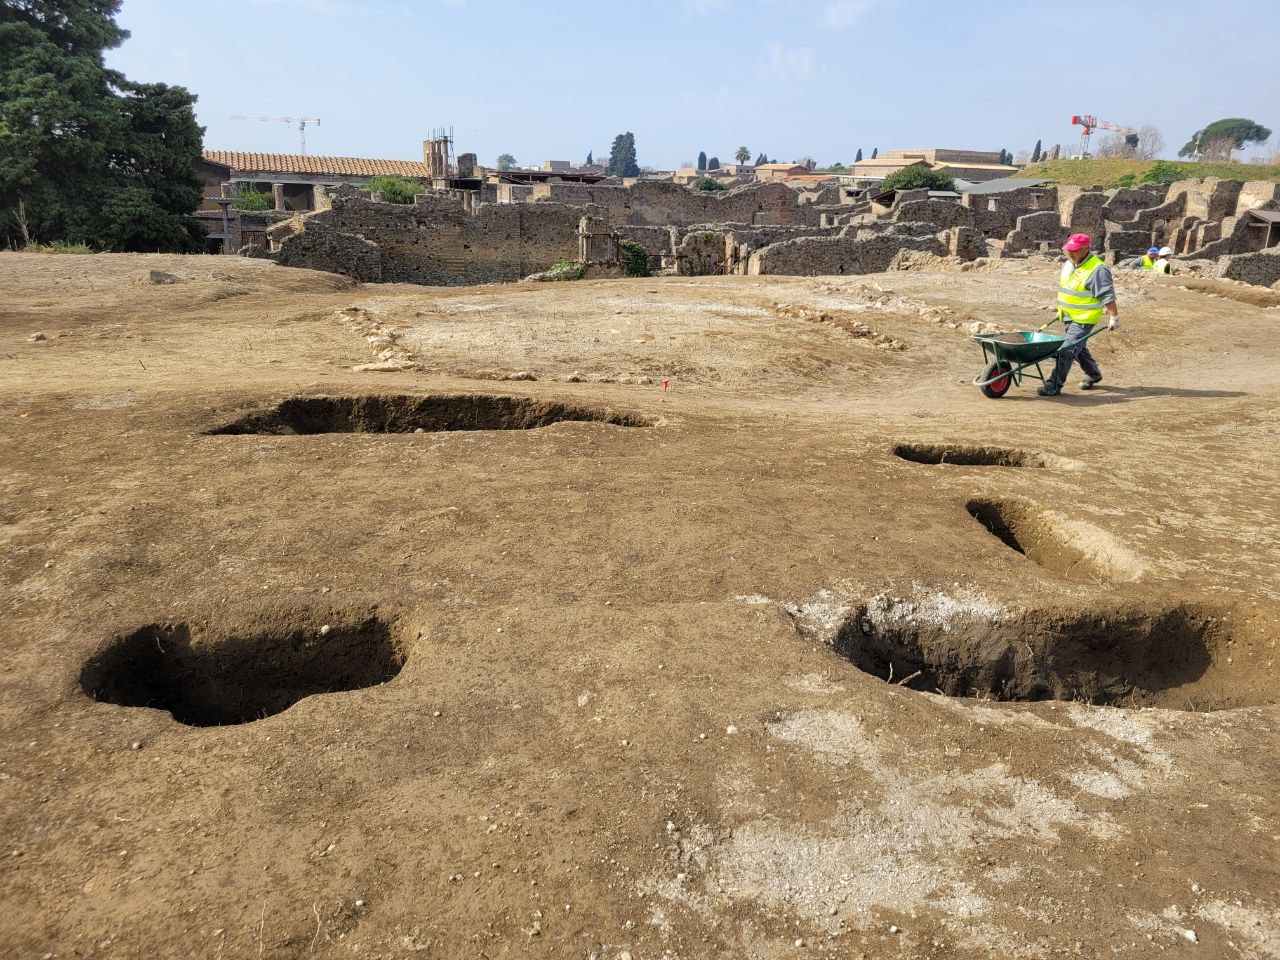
[[996, 388]]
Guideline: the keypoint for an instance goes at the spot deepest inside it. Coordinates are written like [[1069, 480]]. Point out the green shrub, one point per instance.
[[250, 198], [917, 178], [1128, 180], [707, 184], [635, 261], [1162, 172], [393, 189]]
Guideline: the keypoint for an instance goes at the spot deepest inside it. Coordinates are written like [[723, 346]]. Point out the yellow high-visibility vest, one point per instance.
[[1146, 262], [1162, 266], [1074, 300]]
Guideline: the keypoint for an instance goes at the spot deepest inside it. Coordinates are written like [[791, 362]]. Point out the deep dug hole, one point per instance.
[[1072, 548], [401, 413], [1180, 657], [974, 455], [207, 678]]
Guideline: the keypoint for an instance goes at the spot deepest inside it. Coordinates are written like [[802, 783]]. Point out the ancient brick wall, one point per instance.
[[1124, 204], [436, 241], [941, 213], [1034, 230]]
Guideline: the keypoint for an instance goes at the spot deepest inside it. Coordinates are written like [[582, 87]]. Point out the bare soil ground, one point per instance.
[[450, 665]]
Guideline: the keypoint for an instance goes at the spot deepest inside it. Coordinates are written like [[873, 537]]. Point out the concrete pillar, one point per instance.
[[277, 195]]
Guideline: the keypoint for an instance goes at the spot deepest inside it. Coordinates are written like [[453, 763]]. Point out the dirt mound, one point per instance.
[[1180, 656], [409, 414], [206, 677]]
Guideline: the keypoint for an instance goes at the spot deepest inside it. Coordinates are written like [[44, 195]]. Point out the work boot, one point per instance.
[[1048, 392], [1087, 384]]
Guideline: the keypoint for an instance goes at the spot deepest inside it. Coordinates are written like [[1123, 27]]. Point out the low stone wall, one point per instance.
[[842, 254], [1262, 269]]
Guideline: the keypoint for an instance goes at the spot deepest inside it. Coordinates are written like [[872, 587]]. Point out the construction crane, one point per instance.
[[300, 121], [1089, 124]]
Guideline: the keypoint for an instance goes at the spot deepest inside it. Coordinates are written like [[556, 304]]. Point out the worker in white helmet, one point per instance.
[[1162, 265]]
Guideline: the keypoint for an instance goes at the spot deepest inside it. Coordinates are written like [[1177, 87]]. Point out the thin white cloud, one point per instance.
[[784, 64], [841, 14]]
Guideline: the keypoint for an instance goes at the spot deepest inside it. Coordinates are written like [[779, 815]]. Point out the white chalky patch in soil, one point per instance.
[[1259, 928], [814, 683], [908, 848], [1005, 716], [821, 615], [1126, 726], [1100, 784], [924, 606]]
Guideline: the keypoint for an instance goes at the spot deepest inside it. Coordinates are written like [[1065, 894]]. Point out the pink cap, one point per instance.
[[1077, 241]]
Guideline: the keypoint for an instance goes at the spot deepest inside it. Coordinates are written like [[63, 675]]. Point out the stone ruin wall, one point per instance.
[[439, 240], [434, 240]]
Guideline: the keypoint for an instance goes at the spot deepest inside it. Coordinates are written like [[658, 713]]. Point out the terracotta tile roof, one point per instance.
[[781, 166], [294, 163]]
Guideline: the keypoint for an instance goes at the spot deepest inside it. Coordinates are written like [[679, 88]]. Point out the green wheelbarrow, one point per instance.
[[1009, 357]]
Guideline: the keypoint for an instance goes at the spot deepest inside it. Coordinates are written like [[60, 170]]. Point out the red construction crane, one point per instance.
[[1089, 124]]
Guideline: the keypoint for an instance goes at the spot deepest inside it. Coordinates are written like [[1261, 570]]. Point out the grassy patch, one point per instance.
[[1118, 173], [60, 246]]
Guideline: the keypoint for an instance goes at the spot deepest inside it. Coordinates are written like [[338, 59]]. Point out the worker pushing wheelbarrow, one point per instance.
[[1086, 292]]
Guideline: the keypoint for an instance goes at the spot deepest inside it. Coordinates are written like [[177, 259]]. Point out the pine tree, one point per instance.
[[622, 158], [86, 155], [590, 160], [713, 163], [1035, 154], [761, 159], [702, 160], [875, 152], [858, 158]]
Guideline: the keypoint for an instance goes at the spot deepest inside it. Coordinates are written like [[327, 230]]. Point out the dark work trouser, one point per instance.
[[1075, 348]]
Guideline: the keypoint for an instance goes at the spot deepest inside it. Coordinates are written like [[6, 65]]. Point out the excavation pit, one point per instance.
[[1180, 657], [972, 455], [1071, 548], [205, 679], [411, 414]]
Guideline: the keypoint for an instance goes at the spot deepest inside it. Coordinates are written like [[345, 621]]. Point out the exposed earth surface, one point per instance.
[[654, 618]]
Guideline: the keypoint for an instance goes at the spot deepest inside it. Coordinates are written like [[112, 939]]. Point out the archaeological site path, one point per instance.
[[497, 648]]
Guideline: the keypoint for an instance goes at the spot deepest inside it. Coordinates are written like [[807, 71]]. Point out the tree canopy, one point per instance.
[[858, 158], [86, 155], [505, 161], [743, 155], [622, 158], [702, 159], [1218, 139], [916, 178]]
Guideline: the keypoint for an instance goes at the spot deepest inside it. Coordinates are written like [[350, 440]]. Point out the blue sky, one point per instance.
[[551, 80]]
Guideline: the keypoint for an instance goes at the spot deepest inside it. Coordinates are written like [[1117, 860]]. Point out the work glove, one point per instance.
[[1113, 323]]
